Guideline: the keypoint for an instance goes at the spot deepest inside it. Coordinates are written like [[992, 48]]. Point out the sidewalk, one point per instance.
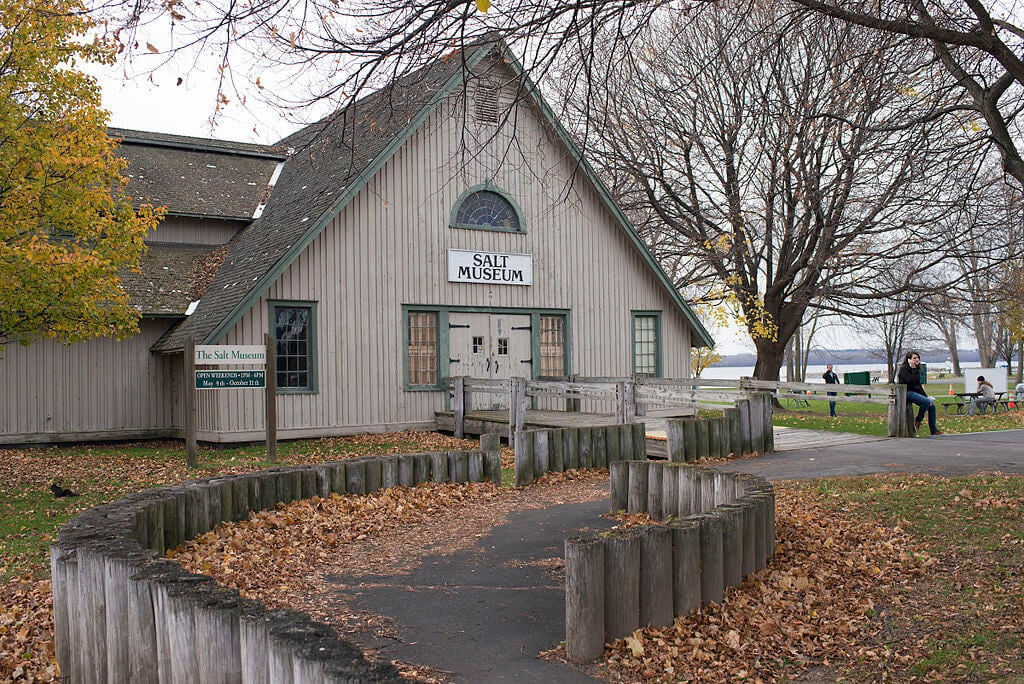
[[482, 615]]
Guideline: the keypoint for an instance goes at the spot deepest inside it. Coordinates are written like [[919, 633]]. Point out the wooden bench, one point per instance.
[[955, 403]]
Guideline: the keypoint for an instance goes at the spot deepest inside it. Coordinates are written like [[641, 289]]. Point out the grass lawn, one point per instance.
[[871, 419]]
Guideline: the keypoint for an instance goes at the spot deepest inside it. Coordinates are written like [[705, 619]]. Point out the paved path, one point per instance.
[[483, 615]]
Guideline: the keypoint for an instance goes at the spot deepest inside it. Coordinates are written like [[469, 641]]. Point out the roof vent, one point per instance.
[[487, 102]]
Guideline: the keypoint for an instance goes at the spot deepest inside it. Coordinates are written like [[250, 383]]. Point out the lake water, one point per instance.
[[814, 372]]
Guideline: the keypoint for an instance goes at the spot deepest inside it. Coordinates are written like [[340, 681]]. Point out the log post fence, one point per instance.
[[122, 612], [719, 529]]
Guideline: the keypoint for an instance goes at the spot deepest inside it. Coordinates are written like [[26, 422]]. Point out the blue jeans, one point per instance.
[[924, 403], [832, 405]]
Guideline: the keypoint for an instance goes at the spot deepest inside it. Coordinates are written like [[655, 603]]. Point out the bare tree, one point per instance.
[[978, 44], [759, 156]]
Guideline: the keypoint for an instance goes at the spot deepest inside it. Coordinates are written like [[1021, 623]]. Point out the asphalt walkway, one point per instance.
[[482, 615]]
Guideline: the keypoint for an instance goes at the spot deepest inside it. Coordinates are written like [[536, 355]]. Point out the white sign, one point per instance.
[[223, 354], [489, 267]]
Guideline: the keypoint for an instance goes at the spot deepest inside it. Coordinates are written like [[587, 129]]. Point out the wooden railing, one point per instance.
[[630, 398]]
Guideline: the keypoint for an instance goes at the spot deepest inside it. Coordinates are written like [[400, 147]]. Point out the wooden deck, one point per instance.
[[786, 439]]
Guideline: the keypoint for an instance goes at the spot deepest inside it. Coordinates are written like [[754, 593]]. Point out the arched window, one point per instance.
[[486, 208]]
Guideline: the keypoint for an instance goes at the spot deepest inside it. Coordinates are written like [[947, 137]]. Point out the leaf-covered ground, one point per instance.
[[874, 579]]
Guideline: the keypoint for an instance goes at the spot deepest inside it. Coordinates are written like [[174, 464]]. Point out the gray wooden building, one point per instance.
[[444, 225]]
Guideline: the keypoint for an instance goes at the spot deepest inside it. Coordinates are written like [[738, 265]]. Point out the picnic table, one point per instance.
[[959, 403]]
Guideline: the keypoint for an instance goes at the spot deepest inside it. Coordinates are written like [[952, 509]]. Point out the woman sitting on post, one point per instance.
[[910, 375], [986, 396]]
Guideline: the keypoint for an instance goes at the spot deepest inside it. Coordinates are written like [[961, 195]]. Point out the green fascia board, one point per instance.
[[362, 179]]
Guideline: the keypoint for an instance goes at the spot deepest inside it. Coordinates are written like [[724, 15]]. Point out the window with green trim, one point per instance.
[[484, 208], [422, 350], [646, 345], [552, 346], [294, 330]]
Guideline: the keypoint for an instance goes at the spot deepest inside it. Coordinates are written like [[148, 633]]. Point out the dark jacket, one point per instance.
[[830, 378], [911, 377]]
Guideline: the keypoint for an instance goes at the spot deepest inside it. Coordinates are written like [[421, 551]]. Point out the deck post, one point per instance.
[[459, 400], [517, 405], [898, 412]]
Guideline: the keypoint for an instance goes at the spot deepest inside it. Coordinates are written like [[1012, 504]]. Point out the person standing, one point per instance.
[[831, 379], [909, 374], [985, 395]]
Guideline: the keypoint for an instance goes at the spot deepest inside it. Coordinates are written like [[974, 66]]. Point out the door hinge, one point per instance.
[[520, 327], [530, 361], [458, 325], [454, 360]]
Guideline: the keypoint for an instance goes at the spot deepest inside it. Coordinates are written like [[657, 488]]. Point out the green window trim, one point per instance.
[[306, 348], [487, 187], [646, 352]]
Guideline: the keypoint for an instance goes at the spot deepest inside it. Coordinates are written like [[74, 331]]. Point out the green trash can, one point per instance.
[[857, 378]]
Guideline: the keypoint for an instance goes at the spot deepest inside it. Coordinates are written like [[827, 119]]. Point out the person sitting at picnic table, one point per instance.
[[985, 395], [910, 375]]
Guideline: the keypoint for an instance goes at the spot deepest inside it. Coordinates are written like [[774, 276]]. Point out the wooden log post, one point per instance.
[[215, 610], [638, 479], [749, 535], [639, 432], [571, 449], [655, 575], [746, 442], [626, 443], [585, 440], [490, 444], [407, 470], [712, 585], [655, 489], [688, 488], [685, 566], [599, 446], [523, 458], [612, 444], [670, 490], [458, 466], [701, 436], [732, 543], [522, 402], [355, 476], [421, 468], [541, 452], [439, 466], [714, 438], [896, 422], [769, 431], [724, 437], [339, 478], [584, 598], [732, 417], [388, 471], [619, 486], [459, 405], [374, 472], [690, 439], [621, 583], [476, 466], [253, 627], [556, 451]]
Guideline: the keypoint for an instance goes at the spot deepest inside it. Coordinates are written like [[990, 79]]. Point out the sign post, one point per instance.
[[271, 383], [233, 355], [189, 404]]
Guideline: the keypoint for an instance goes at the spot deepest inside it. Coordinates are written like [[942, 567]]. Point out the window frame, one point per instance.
[[313, 369], [656, 317], [441, 346], [487, 187]]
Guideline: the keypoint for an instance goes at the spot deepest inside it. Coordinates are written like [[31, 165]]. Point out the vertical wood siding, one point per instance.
[[388, 248], [194, 231], [52, 391]]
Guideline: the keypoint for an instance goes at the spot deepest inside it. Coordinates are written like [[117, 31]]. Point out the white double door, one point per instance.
[[489, 345]]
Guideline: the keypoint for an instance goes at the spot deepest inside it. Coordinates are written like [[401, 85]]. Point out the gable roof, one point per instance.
[[329, 163], [194, 176], [169, 278]]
